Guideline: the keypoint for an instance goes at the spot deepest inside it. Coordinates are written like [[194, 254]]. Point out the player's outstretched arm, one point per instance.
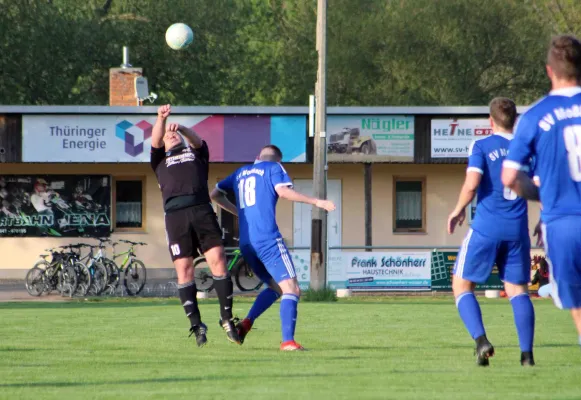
[[286, 192], [518, 181], [220, 198], [158, 129], [191, 136], [466, 196]]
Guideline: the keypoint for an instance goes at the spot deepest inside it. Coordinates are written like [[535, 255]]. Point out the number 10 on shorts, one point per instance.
[[175, 249]]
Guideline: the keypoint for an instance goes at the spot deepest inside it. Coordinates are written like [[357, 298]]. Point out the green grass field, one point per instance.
[[360, 348]]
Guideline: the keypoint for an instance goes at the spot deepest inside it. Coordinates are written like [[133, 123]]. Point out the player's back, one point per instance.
[[256, 200], [500, 213], [557, 145]]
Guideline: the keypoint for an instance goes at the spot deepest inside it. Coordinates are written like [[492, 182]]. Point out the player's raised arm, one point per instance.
[[288, 193], [218, 195], [514, 167], [158, 129], [191, 136], [282, 184]]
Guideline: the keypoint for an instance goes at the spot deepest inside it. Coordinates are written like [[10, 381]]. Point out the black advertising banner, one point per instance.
[[442, 266], [55, 205]]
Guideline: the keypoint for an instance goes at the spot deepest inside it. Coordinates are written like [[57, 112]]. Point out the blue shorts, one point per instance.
[[562, 239], [479, 253], [269, 260]]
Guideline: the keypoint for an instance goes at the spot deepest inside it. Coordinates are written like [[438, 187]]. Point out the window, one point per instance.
[[129, 204], [409, 205]]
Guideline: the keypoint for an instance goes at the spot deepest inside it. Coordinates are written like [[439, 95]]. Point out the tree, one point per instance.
[[262, 52]]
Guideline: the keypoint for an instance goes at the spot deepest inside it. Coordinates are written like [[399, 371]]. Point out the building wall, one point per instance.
[[443, 183]]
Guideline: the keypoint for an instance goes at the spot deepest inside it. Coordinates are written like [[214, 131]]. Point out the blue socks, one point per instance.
[[288, 311], [524, 319], [470, 313], [288, 316], [263, 301]]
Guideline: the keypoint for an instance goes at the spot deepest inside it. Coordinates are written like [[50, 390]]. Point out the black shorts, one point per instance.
[[190, 229]]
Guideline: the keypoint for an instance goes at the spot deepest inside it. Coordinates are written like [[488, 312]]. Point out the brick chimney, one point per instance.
[[122, 83], [122, 86]]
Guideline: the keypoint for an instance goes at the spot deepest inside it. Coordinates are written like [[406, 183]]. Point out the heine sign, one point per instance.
[[111, 138]]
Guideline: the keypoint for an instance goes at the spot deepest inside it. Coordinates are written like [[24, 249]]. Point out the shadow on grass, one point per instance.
[[90, 304], [227, 378]]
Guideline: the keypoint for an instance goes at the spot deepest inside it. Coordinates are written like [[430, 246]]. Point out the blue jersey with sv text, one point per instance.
[[551, 132], [500, 213], [255, 189]]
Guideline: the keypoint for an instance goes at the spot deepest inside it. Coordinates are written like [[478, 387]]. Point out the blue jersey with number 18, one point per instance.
[[255, 189], [551, 132]]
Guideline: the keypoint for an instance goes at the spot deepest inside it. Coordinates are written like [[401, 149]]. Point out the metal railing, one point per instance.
[[382, 248]]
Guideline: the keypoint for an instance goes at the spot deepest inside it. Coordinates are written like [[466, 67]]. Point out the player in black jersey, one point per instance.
[[180, 159]]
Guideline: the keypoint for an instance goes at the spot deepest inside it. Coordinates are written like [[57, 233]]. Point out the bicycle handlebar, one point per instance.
[[133, 243]]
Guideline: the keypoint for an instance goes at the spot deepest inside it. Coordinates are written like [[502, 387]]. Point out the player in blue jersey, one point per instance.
[[499, 235], [257, 188], [550, 131]]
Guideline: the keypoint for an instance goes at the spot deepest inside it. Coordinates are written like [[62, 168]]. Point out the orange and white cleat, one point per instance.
[[291, 345]]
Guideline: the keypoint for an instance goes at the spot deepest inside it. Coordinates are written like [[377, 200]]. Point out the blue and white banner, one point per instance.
[[380, 271], [127, 138]]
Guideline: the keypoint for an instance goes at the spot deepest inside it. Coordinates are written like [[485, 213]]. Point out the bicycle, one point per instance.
[[245, 279], [132, 269], [84, 278], [59, 274], [113, 272], [98, 271]]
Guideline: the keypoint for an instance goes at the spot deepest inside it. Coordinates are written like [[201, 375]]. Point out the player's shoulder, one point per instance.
[[538, 109], [273, 166], [489, 143], [479, 144]]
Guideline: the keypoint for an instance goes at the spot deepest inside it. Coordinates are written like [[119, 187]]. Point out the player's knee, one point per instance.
[[460, 286], [290, 286], [184, 269], [512, 289], [217, 261]]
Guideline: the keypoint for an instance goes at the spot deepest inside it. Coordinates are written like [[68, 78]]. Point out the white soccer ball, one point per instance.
[[179, 36]]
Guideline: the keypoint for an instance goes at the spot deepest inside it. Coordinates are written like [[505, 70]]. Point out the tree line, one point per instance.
[[262, 52]]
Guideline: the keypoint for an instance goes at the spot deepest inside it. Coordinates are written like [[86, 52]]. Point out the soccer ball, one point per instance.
[[179, 36]]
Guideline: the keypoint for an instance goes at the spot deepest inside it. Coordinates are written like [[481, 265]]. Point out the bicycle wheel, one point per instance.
[[99, 279], [68, 281], [135, 277], [84, 279], [202, 275], [246, 279], [114, 274], [35, 280]]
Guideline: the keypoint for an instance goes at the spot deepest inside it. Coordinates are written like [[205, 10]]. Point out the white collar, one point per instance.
[[505, 135], [257, 161], [568, 91]]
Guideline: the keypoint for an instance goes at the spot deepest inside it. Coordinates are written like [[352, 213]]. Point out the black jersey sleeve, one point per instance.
[[157, 156], [202, 152]]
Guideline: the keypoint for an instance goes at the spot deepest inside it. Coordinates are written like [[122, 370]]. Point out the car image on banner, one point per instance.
[[55, 205], [370, 138]]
